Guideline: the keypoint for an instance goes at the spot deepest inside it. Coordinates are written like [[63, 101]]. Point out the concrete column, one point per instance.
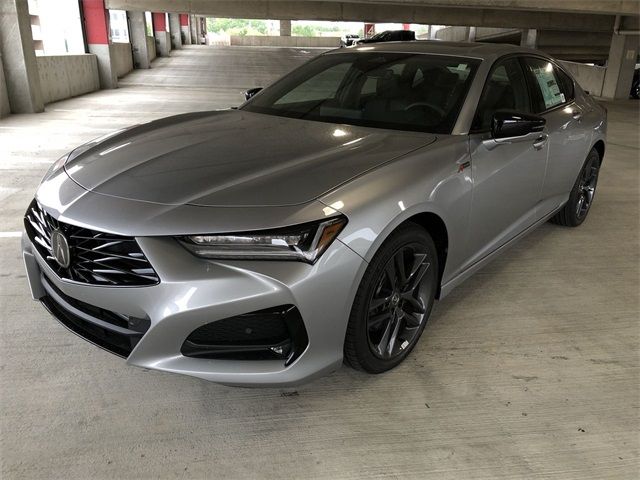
[[620, 66], [174, 30], [163, 41], [198, 23], [19, 59], [138, 39], [192, 29], [185, 29], [96, 25], [5, 108], [285, 28], [529, 38], [471, 37]]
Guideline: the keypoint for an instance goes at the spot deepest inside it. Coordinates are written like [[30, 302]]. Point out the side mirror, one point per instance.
[[507, 124], [251, 92]]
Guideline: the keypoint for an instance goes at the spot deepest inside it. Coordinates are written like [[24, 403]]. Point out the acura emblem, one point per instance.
[[60, 248]]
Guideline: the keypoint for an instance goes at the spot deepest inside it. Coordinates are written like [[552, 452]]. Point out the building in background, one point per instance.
[[118, 26], [56, 27]]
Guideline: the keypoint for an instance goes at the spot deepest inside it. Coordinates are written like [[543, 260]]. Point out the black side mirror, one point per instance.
[[251, 92], [507, 124]]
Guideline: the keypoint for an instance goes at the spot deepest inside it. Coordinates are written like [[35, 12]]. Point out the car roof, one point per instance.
[[483, 51]]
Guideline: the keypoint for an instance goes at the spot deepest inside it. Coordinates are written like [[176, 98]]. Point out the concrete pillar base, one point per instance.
[[5, 108], [163, 43], [106, 69], [174, 29], [138, 39]]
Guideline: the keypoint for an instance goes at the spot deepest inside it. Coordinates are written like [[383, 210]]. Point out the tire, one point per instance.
[[581, 198], [396, 294]]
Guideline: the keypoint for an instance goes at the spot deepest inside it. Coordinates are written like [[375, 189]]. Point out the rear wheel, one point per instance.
[[577, 207], [393, 301]]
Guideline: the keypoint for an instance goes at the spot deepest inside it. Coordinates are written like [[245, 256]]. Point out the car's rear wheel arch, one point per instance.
[[436, 227]]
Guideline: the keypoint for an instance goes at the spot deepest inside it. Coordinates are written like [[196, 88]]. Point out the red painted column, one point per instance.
[[96, 22], [96, 26], [160, 31], [185, 28]]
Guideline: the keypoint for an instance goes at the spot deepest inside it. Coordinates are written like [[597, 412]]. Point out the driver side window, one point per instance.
[[506, 89]]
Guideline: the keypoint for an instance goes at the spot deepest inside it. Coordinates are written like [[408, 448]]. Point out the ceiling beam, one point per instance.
[[375, 11]]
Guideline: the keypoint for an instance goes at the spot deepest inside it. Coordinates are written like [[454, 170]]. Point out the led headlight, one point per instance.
[[303, 243], [56, 166]]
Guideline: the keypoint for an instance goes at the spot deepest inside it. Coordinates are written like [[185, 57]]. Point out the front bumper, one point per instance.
[[194, 292]]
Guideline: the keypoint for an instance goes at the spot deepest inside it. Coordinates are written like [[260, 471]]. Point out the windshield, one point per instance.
[[375, 89]]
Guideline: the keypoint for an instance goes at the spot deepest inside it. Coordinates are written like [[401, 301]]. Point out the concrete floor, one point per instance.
[[528, 370]]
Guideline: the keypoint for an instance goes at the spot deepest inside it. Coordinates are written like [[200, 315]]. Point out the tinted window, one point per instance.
[[506, 89], [552, 87], [566, 85], [387, 90]]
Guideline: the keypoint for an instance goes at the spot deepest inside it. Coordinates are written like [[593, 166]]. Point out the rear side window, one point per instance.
[[506, 89], [551, 86]]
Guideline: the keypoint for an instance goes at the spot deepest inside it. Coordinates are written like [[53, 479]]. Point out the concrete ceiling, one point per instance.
[[566, 15], [605, 7]]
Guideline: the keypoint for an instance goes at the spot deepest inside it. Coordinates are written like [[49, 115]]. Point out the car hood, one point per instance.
[[234, 158]]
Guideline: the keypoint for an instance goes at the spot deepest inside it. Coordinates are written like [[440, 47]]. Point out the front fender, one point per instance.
[[429, 180]]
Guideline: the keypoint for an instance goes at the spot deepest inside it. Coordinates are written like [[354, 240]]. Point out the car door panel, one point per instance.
[[507, 180], [507, 176]]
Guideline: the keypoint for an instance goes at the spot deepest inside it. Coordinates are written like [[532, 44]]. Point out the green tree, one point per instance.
[[304, 31], [237, 26]]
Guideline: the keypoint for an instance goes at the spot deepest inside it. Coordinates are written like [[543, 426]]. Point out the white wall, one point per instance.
[[589, 77], [65, 76], [122, 58], [5, 108], [276, 41]]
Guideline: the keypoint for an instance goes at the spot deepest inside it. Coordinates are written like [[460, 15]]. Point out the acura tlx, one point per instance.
[[318, 222]]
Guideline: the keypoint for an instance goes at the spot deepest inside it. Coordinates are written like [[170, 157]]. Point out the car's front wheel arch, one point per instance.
[[435, 226]]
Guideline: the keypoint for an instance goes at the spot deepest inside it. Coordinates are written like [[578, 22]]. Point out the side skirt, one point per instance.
[[462, 276]]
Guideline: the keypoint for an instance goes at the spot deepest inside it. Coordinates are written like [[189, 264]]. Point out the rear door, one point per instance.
[[553, 94], [507, 178]]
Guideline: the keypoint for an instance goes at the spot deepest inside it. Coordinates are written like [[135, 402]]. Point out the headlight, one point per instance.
[[58, 164], [303, 243]]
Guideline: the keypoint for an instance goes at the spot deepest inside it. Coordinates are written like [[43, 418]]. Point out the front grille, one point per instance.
[[273, 333], [115, 332], [97, 258]]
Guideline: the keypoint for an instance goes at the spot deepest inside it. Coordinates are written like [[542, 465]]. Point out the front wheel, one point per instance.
[[393, 301], [577, 207]]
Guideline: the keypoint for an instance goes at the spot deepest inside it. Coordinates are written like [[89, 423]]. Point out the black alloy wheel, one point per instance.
[[581, 197], [587, 186], [393, 302]]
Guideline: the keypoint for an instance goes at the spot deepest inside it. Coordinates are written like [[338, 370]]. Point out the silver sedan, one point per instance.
[[319, 221]]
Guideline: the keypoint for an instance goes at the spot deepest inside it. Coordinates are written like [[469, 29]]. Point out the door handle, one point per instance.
[[541, 141], [576, 115]]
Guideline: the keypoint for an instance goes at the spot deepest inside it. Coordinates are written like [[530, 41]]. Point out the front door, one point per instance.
[[507, 178]]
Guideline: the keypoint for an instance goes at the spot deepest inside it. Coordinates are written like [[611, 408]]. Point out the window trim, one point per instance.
[[497, 62]]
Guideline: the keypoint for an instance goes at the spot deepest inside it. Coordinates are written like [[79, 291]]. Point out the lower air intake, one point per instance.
[[273, 333]]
